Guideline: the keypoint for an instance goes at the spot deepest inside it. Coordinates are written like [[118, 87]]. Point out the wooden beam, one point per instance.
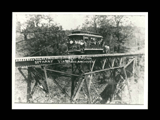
[[121, 59], [129, 62], [30, 61], [79, 56], [125, 75], [109, 62], [93, 65], [38, 73], [37, 81], [95, 100], [88, 91], [118, 61], [134, 67], [104, 64], [113, 87], [89, 82], [62, 72], [46, 79], [72, 83], [63, 91], [113, 62], [104, 70], [78, 89], [22, 74], [29, 85], [34, 88]]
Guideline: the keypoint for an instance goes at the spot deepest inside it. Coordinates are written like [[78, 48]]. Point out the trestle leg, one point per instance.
[[88, 91], [22, 74], [88, 85], [125, 75], [72, 83], [29, 85], [46, 79], [79, 86]]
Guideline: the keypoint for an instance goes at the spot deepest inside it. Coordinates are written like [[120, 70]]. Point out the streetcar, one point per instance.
[[85, 42]]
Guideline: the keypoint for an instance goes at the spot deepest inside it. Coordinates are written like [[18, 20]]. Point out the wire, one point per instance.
[[27, 47], [40, 50], [25, 43], [44, 31], [35, 32], [23, 40]]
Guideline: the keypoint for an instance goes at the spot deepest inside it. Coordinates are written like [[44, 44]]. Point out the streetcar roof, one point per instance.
[[88, 32], [84, 34]]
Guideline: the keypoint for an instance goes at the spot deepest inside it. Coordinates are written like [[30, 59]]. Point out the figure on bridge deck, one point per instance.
[[107, 49]]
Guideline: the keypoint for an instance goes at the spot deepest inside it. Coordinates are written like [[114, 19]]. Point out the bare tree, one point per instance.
[[91, 23]]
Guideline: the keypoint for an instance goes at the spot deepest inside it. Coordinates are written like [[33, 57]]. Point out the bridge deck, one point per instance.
[[77, 56], [43, 60]]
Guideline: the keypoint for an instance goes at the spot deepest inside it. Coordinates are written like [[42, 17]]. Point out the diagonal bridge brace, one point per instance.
[[82, 81]]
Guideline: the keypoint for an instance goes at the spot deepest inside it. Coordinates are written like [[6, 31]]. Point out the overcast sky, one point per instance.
[[72, 21]]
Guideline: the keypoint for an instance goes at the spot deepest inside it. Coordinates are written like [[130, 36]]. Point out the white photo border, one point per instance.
[[79, 106]]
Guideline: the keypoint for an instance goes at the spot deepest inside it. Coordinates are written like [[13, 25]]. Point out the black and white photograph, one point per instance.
[[79, 60]]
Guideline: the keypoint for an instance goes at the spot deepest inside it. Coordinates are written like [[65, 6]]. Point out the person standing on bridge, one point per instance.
[[106, 47]]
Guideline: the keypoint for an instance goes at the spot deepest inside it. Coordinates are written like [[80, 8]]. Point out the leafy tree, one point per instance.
[[46, 36], [112, 28], [90, 23], [121, 33]]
